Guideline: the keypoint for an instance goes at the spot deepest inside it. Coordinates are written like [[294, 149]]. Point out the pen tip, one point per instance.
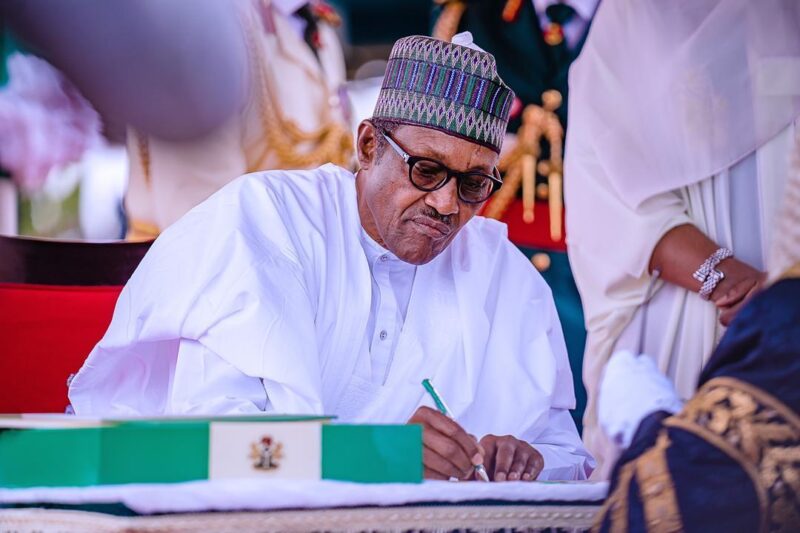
[[482, 472]]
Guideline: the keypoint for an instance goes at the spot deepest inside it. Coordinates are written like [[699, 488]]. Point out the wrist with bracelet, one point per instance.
[[708, 274]]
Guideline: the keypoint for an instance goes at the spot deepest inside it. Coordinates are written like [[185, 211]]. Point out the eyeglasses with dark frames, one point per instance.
[[429, 175]]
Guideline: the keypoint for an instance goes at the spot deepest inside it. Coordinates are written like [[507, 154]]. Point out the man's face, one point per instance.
[[413, 224]]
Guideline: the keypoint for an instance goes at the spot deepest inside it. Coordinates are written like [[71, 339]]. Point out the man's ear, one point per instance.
[[366, 144]]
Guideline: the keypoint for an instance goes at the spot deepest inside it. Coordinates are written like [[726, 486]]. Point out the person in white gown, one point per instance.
[[321, 291], [678, 154]]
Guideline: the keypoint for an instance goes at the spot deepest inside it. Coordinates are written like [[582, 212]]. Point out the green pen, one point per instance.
[[442, 407]]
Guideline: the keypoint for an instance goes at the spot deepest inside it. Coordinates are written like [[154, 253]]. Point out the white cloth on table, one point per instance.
[[259, 300], [274, 494]]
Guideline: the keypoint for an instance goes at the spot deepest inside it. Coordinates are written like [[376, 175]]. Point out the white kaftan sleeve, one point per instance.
[[218, 308], [206, 384], [564, 456]]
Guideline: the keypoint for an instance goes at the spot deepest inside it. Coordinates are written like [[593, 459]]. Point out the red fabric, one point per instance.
[[46, 332], [535, 234]]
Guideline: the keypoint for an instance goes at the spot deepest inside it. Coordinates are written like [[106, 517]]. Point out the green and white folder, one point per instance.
[[64, 451]]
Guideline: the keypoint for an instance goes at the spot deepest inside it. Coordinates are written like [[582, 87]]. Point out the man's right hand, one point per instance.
[[448, 450]]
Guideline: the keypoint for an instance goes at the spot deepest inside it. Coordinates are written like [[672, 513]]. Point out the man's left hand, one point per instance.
[[510, 459]]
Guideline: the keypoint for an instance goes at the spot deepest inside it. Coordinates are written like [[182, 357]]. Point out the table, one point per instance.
[[394, 519], [244, 506]]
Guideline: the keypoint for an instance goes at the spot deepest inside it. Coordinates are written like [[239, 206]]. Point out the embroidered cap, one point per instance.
[[450, 87]]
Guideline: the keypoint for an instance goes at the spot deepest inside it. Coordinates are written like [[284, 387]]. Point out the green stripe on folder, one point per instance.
[[372, 454], [177, 451]]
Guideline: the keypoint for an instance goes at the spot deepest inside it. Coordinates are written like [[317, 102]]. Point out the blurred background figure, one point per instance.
[[535, 42], [142, 63], [294, 115], [677, 159]]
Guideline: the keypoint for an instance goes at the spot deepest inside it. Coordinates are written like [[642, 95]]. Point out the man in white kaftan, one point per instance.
[[302, 292]]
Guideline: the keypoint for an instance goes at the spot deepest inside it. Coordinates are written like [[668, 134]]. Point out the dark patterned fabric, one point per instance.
[[733, 453], [762, 346]]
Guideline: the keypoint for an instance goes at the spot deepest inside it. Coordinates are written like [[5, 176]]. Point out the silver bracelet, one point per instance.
[[708, 275]]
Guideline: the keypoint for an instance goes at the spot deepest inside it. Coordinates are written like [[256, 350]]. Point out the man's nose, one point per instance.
[[444, 200]]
